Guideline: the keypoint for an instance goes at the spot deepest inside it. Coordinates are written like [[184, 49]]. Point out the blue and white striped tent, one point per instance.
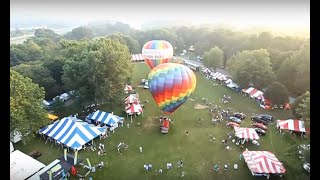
[[72, 132], [105, 118]]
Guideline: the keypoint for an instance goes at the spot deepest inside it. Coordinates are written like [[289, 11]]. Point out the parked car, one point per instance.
[[260, 125], [165, 125], [263, 117], [260, 131], [239, 115], [235, 119], [233, 124]]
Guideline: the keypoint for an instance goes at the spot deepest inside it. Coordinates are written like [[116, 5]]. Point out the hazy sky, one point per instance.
[[281, 13]]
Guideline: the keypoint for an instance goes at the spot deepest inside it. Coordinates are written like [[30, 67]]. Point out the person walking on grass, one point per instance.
[[182, 174], [187, 132]]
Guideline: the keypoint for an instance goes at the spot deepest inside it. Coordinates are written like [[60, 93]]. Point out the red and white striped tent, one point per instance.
[[131, 99], [263, 162], [246, 133], [290, 124], [128, 88], [136, 57], [219, 76], [254, 93], [133, 108]]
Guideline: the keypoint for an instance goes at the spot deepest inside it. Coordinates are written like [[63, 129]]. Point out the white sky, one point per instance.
[[281, 13]]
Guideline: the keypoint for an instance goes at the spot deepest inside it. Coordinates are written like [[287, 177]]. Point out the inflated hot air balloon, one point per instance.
[[171, 85], [156, 52]]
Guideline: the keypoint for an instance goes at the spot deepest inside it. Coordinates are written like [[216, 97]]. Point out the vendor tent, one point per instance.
[[229, 81], [104, 117], [254, 93], [23, 166], [137, 57], [263, 162], [219, 76], [131, 99], [232, 85], [290, 124], [246, 133], [128, 88], [71, 133], [133, 108], [11, 147]]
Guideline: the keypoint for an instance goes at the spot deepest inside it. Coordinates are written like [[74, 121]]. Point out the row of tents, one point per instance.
[[251, 92], [132, 105], [283, 125], [71, 132], [260, 163]]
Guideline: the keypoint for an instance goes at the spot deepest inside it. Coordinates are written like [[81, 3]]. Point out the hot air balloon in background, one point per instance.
[[171, 85], [156, 52]]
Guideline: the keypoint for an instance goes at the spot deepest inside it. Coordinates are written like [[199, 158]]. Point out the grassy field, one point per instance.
[[197, 152]]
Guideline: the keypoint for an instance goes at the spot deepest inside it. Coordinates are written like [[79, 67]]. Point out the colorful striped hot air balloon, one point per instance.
[[171, 85], [156, 52]]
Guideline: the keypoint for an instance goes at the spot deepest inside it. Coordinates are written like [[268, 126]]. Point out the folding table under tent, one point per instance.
[[105, 118], [263, 163], [72, 132]]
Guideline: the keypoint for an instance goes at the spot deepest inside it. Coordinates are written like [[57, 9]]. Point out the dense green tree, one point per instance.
[[303, 108], [79, 33], [55, 66], [213, 58], [47, 33], [294, 72], [28, 51], [133, 45], [27, 114], [302, 82], [257, 65], [100, 72], [277, 93], [277, 57], [37, 72]]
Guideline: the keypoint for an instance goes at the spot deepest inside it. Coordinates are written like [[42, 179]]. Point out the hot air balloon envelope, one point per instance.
[[156, 52], [171, 85]]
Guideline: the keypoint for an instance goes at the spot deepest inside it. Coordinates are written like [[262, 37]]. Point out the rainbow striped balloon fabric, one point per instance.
[[171, 85], [156, 52]]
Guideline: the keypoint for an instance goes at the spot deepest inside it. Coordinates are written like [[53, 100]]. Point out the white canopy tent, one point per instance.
[[11, 147], [23, 166]]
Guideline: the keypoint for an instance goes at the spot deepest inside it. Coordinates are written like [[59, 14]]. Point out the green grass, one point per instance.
[[197, 153]]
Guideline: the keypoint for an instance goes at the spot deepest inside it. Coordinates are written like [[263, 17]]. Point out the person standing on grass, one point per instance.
[[180, 163], [187, 132], [140, 148], [182, 174], [128, 125]]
